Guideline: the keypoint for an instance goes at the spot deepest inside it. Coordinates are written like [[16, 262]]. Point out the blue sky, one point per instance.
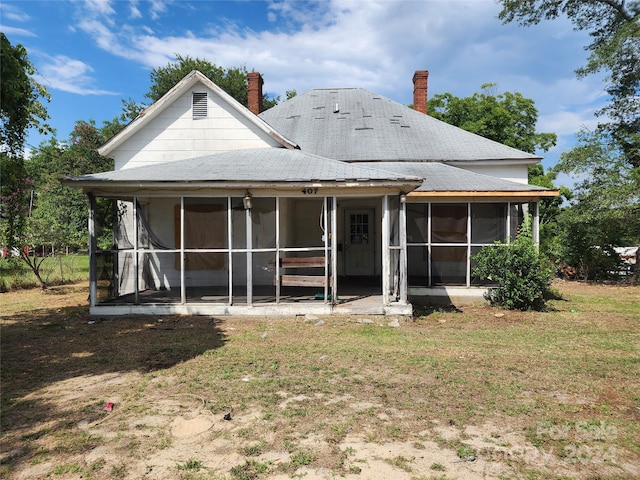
[[92, 54]]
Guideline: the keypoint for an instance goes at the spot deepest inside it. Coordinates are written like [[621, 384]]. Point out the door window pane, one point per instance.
[[359, 229]]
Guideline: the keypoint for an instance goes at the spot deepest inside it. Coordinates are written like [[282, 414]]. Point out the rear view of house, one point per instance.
[[337, 200]]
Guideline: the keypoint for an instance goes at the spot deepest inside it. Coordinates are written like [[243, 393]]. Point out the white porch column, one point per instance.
[[136, 260], [386, 271], [325, 209], [402, 226], [249, 224], [334, 250], [536, 223], [93, 285], [183, 287]]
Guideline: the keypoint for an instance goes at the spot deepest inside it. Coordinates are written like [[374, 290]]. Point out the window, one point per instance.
[[199, 104]]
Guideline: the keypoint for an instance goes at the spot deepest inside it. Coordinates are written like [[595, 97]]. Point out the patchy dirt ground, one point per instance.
[[238, 398]]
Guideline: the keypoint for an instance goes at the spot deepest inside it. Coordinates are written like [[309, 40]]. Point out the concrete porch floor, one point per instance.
[[356, 296]]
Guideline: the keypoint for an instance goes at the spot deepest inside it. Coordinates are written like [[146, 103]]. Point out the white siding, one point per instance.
[[514, 173], [175, 135]]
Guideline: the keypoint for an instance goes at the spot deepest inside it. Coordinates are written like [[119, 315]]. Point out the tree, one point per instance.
[[614, 26], [20, 105], [605, 210], [20, 109], [508, 118], [550, 209], [231, 80], [60, 214]]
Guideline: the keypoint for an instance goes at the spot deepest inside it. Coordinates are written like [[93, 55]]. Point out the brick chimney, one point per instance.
[[254, 92], [420, 81]]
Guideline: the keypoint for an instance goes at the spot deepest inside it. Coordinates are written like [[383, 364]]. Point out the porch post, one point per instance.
[[429, 221], [183, 287], [468, 280], [508, 222], [334, 250], [249, 257], [385, 250], [230, 246], [277, 259], [326, 250], [93, 285], [536, 224], [403, 249], [136, 260]]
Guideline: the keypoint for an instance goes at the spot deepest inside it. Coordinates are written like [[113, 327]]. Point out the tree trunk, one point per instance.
[[34, 265]]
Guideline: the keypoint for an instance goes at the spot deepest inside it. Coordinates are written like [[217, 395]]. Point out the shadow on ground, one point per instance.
[[47, 346]]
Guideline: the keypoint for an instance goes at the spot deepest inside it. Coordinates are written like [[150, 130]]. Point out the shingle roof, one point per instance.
[[253, 165], [446, 178], [353, 124]]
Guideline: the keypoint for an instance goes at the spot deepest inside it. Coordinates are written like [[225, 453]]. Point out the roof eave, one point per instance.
[[487, 193]]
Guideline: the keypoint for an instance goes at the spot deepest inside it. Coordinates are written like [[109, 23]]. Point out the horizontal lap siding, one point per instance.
[[176, 135]]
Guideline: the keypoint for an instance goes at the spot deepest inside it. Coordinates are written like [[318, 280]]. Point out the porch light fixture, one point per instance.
[[403, 198], [246, 201]]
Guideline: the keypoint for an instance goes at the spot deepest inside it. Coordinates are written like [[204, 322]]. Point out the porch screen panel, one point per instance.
[[301, 221], [263, 217], [263, 277], [488, 223], [417, 222], [417, 246], [517, 211], [418, 265], [263, 259], [156, 282], [122, 282], [449, 265], [239, 272], [449, 223], [205, 227]]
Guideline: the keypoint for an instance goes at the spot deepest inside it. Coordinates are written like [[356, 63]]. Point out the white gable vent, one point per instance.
[[199, 104]]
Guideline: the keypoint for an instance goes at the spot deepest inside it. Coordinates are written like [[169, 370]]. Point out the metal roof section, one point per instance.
[[179, 89], [353, 124], [441, 178], [277, 165]]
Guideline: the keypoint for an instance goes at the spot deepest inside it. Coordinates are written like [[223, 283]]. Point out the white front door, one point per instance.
[[359, 242]]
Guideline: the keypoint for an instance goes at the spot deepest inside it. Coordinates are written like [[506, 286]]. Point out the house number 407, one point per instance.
[[310, 191]]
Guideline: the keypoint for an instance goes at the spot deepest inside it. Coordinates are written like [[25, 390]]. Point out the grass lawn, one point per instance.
[[471, 393], [55, 270]]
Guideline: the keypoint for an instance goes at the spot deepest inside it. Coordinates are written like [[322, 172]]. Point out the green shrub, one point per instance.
[[523, 280]]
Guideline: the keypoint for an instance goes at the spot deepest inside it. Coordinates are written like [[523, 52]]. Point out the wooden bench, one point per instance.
[[303, 280]]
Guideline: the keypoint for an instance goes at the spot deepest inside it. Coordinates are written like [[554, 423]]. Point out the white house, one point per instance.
[[337, 200]]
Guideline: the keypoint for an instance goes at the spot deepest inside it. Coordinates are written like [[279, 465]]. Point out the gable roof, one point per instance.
[[353, 124], [183, 86], [273, 165]]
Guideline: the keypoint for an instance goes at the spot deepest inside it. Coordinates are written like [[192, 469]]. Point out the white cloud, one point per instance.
[[12, 13], [376, 45], [69, 75], [158, 7], [134, 11], [18, 32]]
